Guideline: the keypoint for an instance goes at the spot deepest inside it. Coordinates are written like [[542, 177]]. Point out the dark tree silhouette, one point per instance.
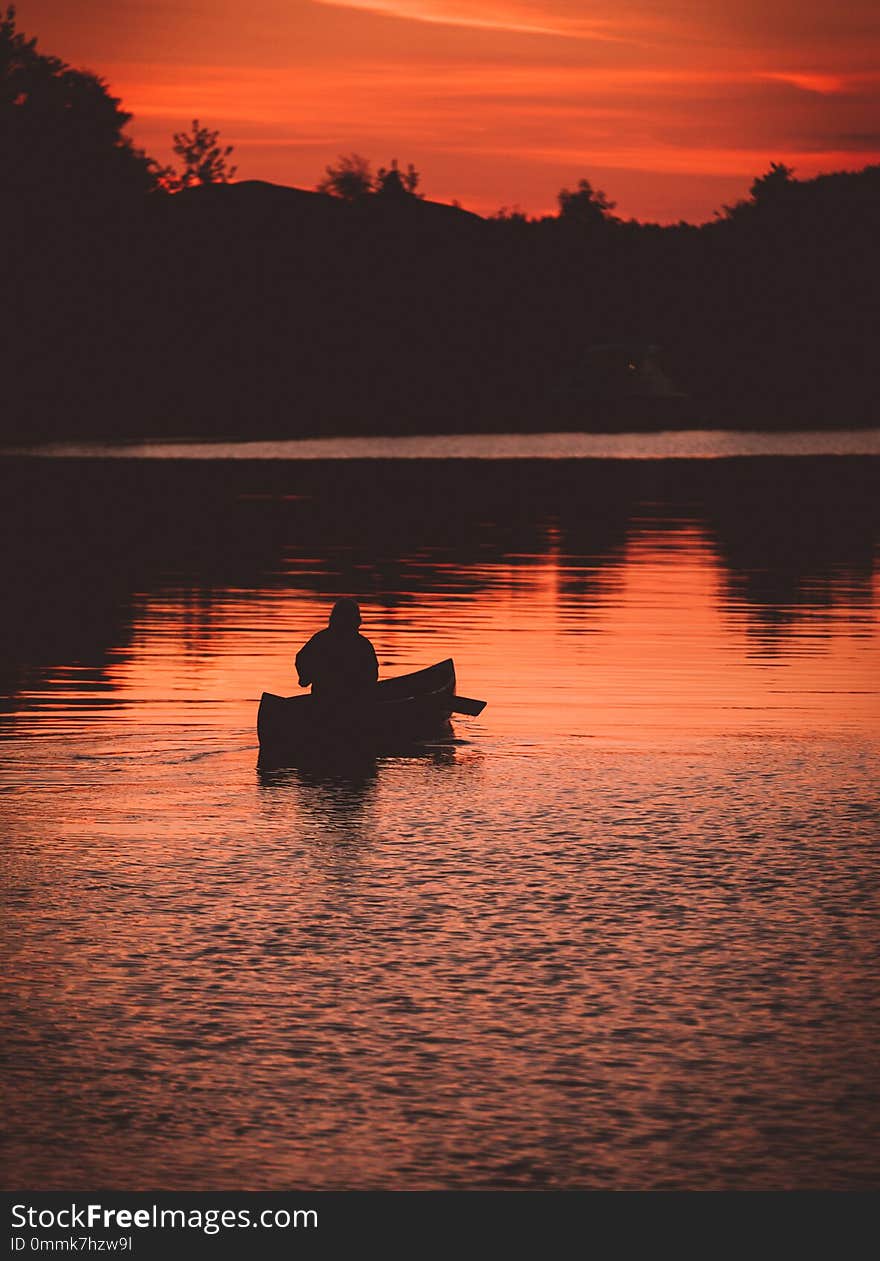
[[61, 130], [354, 319], [351, 178], [395, 184], [510, 214], [771, 191], [203, 158], [585, 206], [776, 184]]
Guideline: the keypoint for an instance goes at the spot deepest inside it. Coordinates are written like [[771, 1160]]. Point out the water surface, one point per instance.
[[691, 444], [621, 932]]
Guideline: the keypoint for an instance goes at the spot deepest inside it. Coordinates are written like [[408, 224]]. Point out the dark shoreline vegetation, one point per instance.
[[253, 310]]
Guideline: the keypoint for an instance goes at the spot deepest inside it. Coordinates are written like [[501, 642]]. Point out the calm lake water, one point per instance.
[[620, 933]]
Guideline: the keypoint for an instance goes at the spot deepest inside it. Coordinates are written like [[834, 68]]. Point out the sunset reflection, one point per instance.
[[648, 645], [612, 935]]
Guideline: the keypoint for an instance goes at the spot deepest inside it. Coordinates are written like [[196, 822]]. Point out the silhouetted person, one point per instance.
[[339, 663]]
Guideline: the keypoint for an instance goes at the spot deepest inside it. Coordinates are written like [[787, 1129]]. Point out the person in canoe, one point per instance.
[[339, 663]]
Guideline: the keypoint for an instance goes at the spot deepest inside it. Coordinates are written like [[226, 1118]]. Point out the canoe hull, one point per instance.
[[402, 710]]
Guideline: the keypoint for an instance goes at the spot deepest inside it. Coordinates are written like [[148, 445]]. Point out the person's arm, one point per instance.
[[305, 664]]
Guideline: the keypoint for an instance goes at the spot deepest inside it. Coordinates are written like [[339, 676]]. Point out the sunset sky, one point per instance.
[[671, 107]]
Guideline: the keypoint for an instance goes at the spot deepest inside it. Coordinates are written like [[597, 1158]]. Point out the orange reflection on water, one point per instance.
[[603, 942], [652, 645]]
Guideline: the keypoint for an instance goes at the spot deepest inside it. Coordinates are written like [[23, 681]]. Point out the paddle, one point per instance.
[[464, 705]]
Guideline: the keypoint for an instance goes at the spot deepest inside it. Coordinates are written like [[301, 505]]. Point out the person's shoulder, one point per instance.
[[316, 640], [365, 643]]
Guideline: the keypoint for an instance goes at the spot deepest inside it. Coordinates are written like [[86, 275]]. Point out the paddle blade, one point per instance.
[[464, 705]]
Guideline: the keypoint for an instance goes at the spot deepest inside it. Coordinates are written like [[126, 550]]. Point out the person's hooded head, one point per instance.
[[346, 616]]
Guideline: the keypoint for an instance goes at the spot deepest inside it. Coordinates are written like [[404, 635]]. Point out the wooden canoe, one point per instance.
[[401, 710]]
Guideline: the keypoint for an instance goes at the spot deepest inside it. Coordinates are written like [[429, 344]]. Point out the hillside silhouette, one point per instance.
[[252, 309]]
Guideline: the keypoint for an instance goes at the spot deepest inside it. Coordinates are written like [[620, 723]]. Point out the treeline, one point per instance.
[[253, 309]]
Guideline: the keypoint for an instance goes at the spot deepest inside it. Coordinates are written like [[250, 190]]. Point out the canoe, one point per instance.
[[401, 710]]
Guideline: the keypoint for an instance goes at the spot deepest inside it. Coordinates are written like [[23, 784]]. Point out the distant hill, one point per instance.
[[277, 208]]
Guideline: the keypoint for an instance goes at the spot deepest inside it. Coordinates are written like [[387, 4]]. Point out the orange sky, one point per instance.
[[670, 107]]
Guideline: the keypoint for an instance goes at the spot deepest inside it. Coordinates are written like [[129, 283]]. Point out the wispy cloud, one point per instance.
[[822, 84], [486, 15]]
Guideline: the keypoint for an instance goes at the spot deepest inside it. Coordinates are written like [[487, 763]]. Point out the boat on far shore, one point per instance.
[[401, 711]]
